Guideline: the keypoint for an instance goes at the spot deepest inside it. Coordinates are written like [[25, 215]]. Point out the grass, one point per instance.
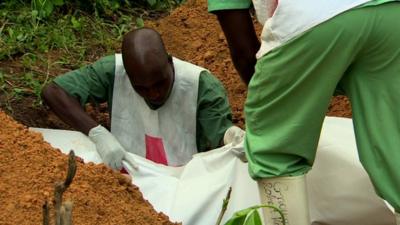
[[33, 50]]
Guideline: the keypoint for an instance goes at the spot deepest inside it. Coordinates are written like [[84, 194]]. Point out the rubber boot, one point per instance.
[[289, 194], [397, 218]]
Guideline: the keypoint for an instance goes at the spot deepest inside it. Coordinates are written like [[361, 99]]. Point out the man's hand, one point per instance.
[[108, 147]]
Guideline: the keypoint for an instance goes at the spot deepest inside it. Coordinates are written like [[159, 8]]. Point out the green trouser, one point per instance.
[[357, 51]]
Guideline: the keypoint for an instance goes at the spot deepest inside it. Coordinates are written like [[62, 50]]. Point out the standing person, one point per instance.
[[307, 49], [162, 108]]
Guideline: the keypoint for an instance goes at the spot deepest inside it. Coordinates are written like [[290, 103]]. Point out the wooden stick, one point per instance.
[[62, 214], [45, 213], [224, 206], [67, 217], [61, 187]]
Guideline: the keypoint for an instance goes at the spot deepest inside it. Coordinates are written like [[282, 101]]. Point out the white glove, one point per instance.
[[110, 150], [235, 136]]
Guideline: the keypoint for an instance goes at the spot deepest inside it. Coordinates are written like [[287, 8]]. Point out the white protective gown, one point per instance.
[[166, 135], [285, 19]]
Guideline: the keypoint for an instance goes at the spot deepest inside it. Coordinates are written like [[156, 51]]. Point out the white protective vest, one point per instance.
[[166, 135], [285, 19]]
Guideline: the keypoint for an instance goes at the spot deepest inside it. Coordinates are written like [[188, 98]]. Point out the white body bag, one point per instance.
[[339, 190]]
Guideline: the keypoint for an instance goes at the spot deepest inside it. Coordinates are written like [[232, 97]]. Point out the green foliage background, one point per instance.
[[43, 38], [108, 7], [26, 26]]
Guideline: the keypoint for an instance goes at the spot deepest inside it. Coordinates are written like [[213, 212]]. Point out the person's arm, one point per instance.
[[68, 93], [214, 114], [243, 43], [67, 108]]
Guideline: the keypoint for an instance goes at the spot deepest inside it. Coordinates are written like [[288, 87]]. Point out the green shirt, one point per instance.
[[214, 5], [95, 83]]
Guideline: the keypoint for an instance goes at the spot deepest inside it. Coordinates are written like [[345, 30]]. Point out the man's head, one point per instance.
[[148, 65]]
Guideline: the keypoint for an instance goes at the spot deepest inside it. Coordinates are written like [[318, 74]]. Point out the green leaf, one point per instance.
[[253, 218], [115, 6], [34, 13], [18, 91], [139, 22], [58, 2], [152, 2], [10, 32], [47, 8], [2, 79], [76, 24], [239, 217], [21, 37], [44, 7], [250, 216]]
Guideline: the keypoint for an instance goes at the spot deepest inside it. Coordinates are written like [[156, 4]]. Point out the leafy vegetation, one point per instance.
[[250, 216], [40, 39]]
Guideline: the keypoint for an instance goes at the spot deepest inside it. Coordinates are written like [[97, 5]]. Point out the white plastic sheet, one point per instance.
[[340, 192], [65, 140]]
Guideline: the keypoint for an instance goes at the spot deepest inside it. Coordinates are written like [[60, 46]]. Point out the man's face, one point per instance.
[[152, 82]]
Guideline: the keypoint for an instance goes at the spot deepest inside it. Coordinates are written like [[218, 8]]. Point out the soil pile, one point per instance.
[[29, 168]]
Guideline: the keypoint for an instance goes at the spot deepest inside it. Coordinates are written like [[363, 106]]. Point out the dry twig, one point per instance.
[[224, 206], [61, 187], [46, 213], [66, 218]]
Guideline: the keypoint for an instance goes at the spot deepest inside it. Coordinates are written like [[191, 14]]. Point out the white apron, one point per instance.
[[285, 19], [166, 135]]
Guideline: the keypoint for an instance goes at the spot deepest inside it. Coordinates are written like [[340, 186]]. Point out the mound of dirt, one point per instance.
[[29, 168]]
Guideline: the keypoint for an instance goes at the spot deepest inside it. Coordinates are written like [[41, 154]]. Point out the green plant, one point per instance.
[[40, 39], [139, 22], [250, 216], [4, 100], [2, 81], [163, 4], [44, 8]]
